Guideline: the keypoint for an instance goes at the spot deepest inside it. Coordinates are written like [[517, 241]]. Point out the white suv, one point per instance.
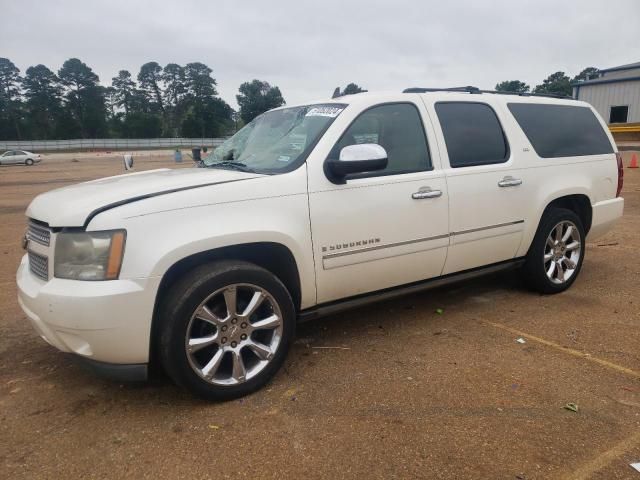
[[308, 210]]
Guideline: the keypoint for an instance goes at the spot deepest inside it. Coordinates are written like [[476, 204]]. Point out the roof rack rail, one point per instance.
[[467, 89], [475, 90]]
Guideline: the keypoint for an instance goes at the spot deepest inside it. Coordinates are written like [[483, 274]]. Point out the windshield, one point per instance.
[[276, 141]]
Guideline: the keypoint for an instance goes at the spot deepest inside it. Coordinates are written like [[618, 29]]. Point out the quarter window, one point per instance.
[[472, 133], [557, 131], [398, 129]]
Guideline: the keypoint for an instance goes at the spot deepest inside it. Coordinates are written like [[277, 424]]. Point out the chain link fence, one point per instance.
[[109, 144]]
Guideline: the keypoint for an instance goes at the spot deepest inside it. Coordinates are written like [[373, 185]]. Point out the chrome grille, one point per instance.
[[39, 265], [38, 233]]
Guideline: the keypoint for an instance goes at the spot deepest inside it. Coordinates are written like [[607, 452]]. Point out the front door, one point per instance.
[[386, 228], [11, 157]]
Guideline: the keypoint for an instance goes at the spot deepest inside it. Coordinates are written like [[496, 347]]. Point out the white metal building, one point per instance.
[[615, 93]]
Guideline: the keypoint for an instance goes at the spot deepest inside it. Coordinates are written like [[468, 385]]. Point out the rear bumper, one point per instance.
[[604, 216]]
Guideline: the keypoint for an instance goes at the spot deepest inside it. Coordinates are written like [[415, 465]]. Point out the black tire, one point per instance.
[[534, 272], [187, 294], [28, 162]]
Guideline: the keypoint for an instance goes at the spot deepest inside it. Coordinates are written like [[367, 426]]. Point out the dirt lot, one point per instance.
[[410, 393]]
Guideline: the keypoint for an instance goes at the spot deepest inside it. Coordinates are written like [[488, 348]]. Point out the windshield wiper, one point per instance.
[[233, 166]]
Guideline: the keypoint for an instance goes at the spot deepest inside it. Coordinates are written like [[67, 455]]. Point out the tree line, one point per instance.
[[169, 101], [557, 83]]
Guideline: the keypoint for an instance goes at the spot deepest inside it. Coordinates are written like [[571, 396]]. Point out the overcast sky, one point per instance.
[[307, 48]]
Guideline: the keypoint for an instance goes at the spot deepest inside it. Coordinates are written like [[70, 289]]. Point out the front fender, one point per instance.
[[158, 240]]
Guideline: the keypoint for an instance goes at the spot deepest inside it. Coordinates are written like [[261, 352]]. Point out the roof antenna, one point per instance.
[[336, 93]]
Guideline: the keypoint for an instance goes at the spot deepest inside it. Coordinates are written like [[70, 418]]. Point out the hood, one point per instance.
[[74, 205]]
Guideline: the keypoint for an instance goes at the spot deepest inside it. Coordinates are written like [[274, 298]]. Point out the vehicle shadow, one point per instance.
[[91, 393], [339, 327]]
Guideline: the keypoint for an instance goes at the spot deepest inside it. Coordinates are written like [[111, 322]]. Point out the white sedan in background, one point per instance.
[[13, 157]]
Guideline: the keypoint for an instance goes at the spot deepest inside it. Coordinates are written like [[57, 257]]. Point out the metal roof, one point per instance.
[[628, 66], [604, 80]]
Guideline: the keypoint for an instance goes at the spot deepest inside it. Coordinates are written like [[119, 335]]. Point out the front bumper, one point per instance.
[[108, 321], [604, 216]]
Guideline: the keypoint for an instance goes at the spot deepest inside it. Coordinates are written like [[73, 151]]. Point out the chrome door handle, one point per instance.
[[509, 181], [426, 192]]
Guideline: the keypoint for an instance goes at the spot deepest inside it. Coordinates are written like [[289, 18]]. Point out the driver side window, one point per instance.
[[398, 129]]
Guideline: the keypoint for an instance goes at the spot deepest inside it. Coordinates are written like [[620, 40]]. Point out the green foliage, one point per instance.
[[174, 79], [209, 118], [555, 84], [205, 114], [149, 79], [76, 75], [170, 101], [83, 99], [10, 104], [256, 97], [199, 83], [43, 105], [167, 101], [175, 89], [590, 72], [515, 86], [124, 90], [141, 125], [352, 89]]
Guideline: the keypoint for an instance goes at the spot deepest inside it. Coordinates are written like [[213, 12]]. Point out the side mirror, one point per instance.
[[365, 157]]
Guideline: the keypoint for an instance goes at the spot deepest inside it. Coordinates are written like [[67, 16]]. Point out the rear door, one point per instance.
[[380, 229], [487, 204]]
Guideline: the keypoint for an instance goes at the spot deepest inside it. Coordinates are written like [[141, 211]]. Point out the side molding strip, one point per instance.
[[479, 229], [386, 245], [418, 240]]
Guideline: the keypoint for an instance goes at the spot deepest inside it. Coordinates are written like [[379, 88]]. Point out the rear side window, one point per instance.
[[472, 133], [561, 130]]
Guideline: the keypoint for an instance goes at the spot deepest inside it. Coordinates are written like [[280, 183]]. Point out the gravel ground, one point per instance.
[[409, 393]]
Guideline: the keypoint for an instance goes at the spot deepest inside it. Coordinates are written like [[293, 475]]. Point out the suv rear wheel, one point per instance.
[[225, 329], [556, 253]]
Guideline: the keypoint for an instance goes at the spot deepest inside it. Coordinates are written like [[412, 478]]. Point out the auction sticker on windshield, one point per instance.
[[324, 111]]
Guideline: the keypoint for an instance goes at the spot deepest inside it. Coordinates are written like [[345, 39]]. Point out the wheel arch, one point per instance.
[[578, 203], [274, 257]]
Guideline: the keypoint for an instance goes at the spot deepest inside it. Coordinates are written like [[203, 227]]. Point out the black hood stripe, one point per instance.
[[109, 206]]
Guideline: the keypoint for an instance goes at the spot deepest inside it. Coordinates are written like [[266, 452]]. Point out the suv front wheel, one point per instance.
[[225, 329], [556, 253]]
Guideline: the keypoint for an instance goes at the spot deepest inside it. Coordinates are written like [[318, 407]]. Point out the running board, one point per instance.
[[381, 295]]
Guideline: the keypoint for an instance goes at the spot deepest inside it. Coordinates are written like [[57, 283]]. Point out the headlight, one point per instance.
[[89, 255]]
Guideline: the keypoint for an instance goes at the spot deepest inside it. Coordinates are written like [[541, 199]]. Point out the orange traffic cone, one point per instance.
[[634, 161]]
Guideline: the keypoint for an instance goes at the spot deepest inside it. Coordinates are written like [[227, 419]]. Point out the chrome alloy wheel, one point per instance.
[[233, 334], [562, 252]]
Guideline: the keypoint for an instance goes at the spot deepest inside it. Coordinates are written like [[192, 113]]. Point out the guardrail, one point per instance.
[[108, 144]]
